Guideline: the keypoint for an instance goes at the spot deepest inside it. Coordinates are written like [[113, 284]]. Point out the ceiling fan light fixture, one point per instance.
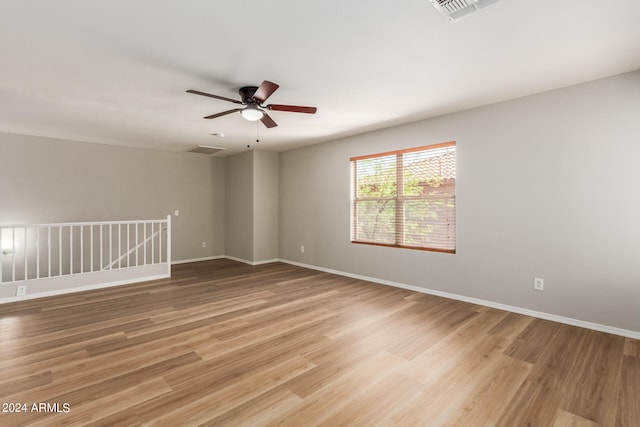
[[252, 113]]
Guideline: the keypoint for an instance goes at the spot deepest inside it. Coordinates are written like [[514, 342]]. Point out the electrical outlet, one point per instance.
[[301, 248], [204, 244], [176, 213], [538, 284], [21, 291]]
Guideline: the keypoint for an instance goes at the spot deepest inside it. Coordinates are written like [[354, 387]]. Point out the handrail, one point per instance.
[[132, 250], [40, 251], [67, 224]]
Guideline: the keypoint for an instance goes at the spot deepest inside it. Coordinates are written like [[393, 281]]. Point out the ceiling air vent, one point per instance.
[[205, 149], [456, 9]]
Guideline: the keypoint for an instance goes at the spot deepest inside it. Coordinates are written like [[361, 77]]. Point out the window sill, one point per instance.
[[417, 248]]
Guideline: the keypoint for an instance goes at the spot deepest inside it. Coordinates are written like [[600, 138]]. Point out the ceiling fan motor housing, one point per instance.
[[246, 94]]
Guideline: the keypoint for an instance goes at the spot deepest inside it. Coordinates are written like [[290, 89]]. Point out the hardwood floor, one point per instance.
[[226, 344]]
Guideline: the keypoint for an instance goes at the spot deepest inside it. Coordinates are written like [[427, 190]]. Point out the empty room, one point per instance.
[[285, 213]]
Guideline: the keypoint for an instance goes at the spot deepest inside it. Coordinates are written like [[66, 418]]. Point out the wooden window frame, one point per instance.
[[400, 199]]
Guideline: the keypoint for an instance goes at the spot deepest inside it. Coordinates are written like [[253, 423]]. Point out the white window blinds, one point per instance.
[[406, 198]]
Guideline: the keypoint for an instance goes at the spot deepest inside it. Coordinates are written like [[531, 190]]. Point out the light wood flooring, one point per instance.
[[226, 344]]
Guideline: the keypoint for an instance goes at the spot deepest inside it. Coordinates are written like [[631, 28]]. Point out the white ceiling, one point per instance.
[[116, 72]]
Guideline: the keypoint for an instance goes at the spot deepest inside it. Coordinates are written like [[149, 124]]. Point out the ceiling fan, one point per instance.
[[252, 97]]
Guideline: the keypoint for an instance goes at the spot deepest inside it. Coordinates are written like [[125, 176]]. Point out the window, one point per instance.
[[406, 198]]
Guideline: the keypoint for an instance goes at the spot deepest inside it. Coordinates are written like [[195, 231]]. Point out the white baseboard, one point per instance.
[[186, 261], [246, 261], [109, 283], [82, 288], [538, 314], [242, 260], [266, 261]]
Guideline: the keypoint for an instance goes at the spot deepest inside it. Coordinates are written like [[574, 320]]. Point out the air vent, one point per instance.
[[205, 149], [456, 9]]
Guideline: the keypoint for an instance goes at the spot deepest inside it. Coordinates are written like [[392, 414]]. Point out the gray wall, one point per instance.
[[547, 186], [47, 180], [265, 205], [239, 206], [252, 206]]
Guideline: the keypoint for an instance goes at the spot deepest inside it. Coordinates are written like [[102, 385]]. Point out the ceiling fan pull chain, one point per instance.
[[257, 135]]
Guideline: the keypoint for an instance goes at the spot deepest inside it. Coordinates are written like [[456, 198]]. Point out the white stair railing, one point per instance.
[[43, 251], [156, 236]]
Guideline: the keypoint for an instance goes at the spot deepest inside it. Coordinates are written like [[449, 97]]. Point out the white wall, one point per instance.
[[46, 180], [547, 186]]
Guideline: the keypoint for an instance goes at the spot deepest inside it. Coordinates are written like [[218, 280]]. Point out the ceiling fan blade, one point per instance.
[[197, 92], [265, 90], [268, 121], [292, 108], [224, 113]]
